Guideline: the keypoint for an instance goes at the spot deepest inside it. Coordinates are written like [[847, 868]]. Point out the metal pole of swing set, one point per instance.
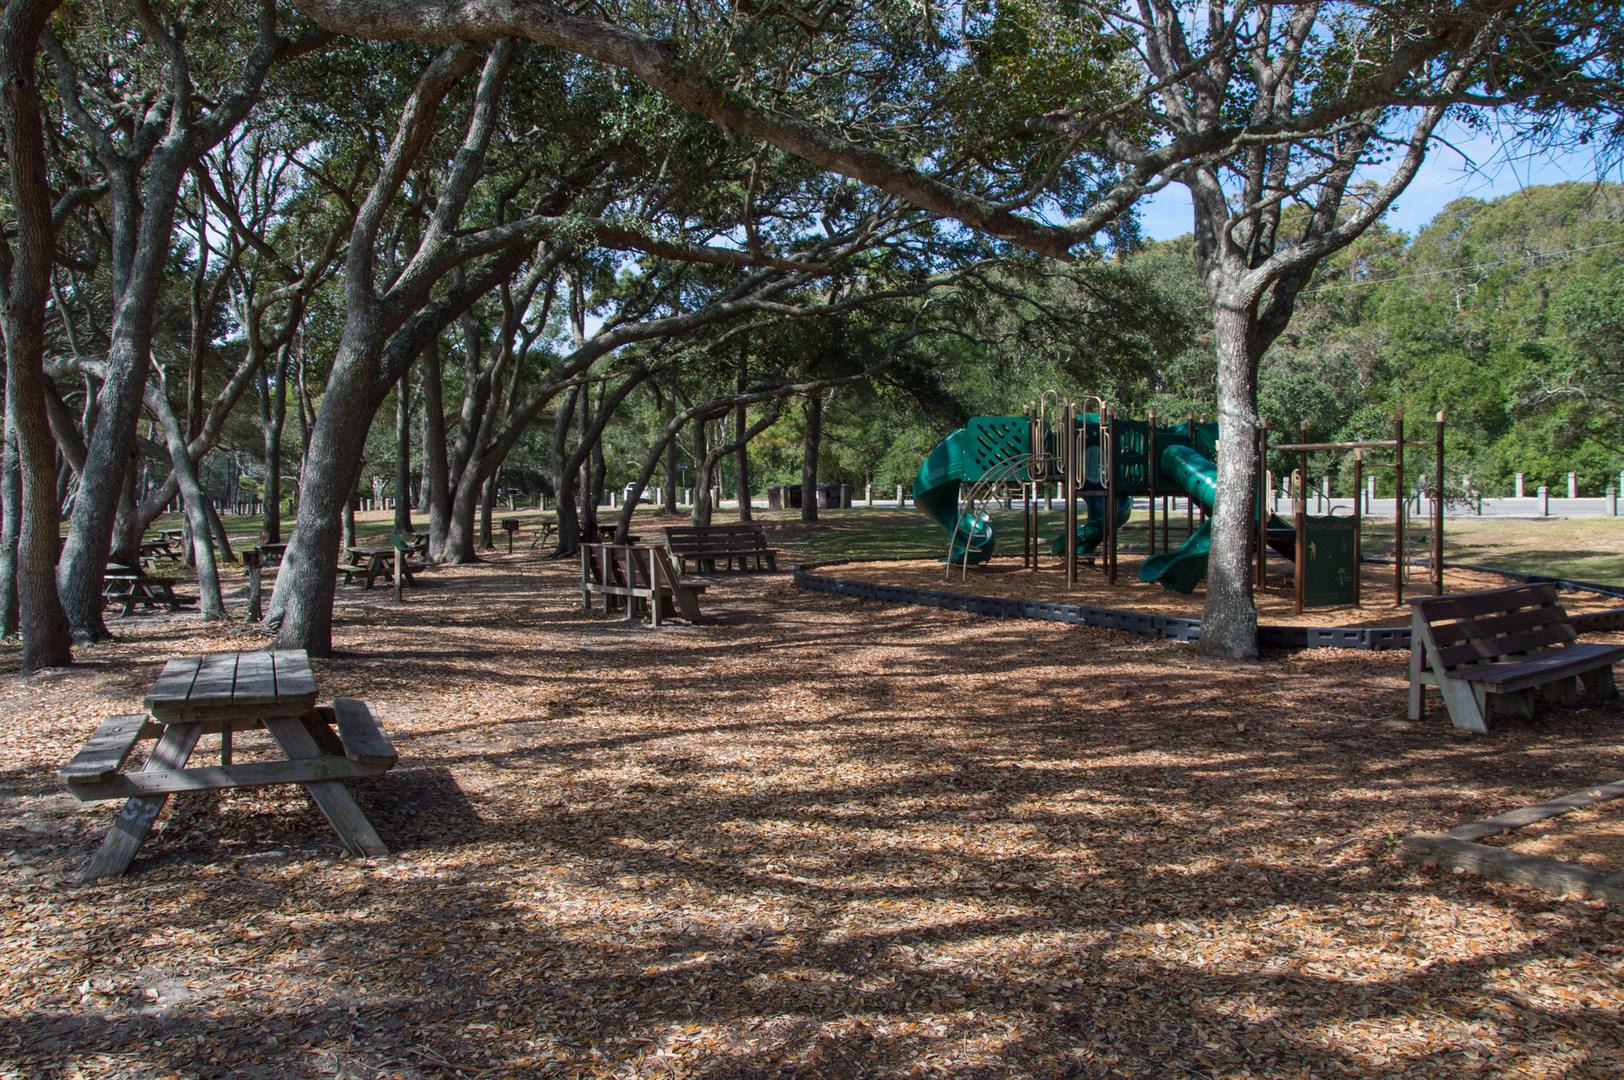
[[1150, 472], [1028, 549], [1300, 506], [1398, 508], [1300, 519], [1026, 517], [1358, 525], [1068, 482], [1438, 514], [1189, 500], [1108, 446], [1262, 506]]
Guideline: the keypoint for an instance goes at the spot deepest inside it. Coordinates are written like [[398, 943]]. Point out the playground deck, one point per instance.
[[819, 838]]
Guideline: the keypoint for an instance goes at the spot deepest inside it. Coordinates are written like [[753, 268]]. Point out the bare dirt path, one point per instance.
[[816, 838]]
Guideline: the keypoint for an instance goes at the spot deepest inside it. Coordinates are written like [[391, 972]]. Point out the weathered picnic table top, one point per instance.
[[193, 685]]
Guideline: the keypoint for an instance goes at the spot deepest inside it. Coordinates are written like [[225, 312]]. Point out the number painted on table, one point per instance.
[[140, 811]]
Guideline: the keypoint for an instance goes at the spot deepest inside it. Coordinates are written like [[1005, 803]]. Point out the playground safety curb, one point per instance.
[[1368, 638]]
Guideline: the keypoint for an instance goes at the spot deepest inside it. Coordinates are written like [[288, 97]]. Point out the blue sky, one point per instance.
[[1476, 165]]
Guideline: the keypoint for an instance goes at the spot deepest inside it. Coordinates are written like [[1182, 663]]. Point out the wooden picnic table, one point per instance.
[[372, 561], [272, 553], [638, 579], [130, 585], [221, 694], [152, 550]]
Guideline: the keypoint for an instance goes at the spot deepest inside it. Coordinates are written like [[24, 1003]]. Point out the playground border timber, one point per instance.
[[1171, 627]]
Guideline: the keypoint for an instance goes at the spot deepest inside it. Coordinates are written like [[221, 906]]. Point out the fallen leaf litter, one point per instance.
[[817, 837]]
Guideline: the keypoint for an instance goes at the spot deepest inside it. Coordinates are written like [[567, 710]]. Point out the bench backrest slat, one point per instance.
[[1505, 622], [715, 530], [725, 545], [1492, 648], [743, 538], [1467, 605], [1476, 627]]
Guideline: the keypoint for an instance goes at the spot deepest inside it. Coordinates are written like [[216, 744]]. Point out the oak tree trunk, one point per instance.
[[668, 495], [41, 616], [436, 466], [1229, 619], [809, 462], [486, 505], [11, 498], [742, 459], [403, 455]]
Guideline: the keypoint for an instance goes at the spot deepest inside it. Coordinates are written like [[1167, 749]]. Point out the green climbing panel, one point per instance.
[[991, 443], [1131, 462], [1329, 573]]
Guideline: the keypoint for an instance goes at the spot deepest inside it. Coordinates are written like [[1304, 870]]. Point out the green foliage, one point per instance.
[[1506, 315]]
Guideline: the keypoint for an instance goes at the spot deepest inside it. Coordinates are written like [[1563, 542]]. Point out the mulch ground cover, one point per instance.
[[1005, 576], [812, 837]]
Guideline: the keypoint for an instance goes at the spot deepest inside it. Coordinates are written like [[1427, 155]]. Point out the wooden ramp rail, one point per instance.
[[1501, 645], [638, 578]]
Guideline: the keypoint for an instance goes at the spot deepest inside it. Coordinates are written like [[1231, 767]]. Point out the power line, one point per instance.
[[1463, 269]]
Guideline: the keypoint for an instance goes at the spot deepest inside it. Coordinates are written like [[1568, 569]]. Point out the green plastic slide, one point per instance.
[[1092, 530], [936, 492], [1182, 570]]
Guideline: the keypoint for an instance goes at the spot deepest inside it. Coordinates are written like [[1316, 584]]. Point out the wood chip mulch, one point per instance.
[[1592, 837], [1004, 576], [813, 837]]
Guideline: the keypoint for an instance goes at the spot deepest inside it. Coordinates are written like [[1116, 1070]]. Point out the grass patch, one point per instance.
[[1584, 549]]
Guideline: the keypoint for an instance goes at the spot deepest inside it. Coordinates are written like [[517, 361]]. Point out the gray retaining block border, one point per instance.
[[1369, 638]]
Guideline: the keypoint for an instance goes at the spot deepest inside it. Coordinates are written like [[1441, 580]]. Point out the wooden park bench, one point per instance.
[[1501, 645], [705, 545], [637, 578], [130, 585]]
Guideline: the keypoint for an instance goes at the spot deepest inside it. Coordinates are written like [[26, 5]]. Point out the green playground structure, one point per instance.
[[1101, 462], [936, 493], [957, 480]]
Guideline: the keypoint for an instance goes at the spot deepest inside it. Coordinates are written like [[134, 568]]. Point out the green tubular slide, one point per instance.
[[1092, 530], [936, 492], [1182, 570]]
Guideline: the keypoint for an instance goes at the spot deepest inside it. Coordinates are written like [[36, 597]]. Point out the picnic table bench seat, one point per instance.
[[741, 545], [638, 578], [1502, 645], [99, 759], [362, 733]]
